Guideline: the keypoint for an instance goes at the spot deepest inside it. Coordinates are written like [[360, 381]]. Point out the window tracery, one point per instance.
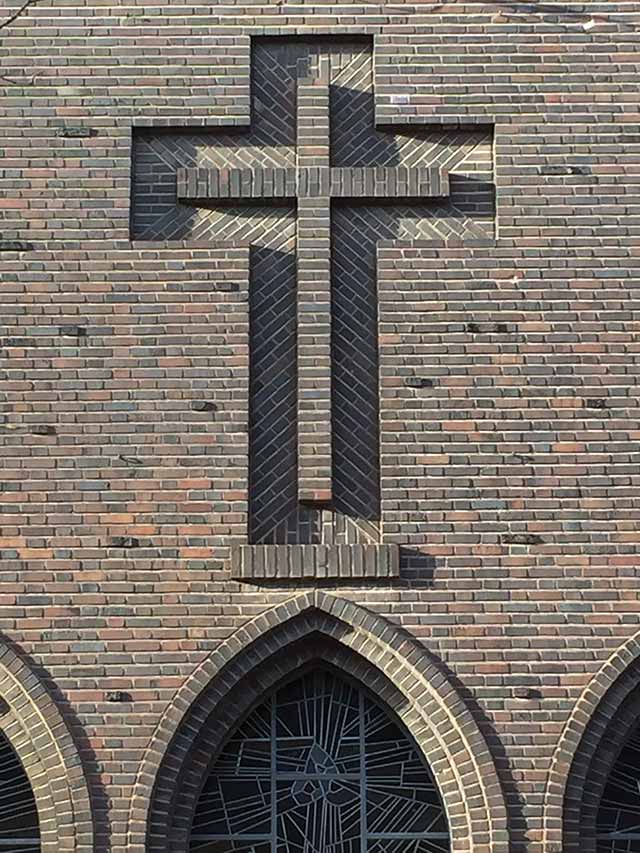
[[320, 767], [618, 821], [19, 827]]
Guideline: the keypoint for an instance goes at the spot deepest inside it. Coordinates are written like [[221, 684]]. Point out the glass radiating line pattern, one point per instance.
[[320, 767], [19, 827], [618, 821]]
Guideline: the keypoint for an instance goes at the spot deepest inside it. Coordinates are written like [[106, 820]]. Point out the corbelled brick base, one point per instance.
[[288, 562]]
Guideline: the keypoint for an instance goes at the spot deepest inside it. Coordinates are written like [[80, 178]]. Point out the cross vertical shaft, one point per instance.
[[314, 291]]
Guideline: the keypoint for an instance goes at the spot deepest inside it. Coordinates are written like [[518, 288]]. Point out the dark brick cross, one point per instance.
[[313, 183]]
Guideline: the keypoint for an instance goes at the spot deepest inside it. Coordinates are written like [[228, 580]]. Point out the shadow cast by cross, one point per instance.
[[313, 186]]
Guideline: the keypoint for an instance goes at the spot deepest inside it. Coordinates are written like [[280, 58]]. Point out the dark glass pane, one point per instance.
[[408, 846], [318, 816], [626, 845], [401, 794], [18, 813], [326, 746], [619, 812], [248, 752], [318, 724], [21, 846], [234, 806], [229, 846], [236, 799]]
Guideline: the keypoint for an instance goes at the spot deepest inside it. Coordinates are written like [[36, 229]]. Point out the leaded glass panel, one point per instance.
[[320, 767], [236, 800], [315, 814], [19, 826], [403, 846], [401, 797], [618, 822], [318, 727], [230, 846]]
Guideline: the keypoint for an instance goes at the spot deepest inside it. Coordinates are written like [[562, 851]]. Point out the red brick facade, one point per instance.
[[509, 451]]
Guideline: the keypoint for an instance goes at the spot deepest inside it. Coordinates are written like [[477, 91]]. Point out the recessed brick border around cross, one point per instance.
[[280, 641], [598, 726], [38, 733]]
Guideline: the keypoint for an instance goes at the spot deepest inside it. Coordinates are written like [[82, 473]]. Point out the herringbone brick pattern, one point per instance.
[[310, 525], [225, 200], [273, 493], [357, 231], [509, 392]]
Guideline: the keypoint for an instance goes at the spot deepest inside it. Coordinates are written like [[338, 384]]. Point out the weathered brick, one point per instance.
[[506, 473]]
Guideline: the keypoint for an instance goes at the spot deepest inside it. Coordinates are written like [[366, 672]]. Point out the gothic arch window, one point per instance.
[[320, 767], [19, 828], [618, 820]]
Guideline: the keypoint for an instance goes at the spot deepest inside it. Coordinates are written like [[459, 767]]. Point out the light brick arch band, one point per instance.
[[279, 642], [37, 732], [589, 744]]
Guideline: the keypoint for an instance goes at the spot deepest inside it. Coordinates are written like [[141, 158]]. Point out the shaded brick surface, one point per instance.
[[288, 562], [490, 355]]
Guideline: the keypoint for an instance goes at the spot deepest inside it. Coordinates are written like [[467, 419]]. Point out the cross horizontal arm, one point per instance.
[[194, 184]]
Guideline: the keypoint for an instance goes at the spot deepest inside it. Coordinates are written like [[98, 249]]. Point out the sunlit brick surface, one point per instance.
[[504, 398]]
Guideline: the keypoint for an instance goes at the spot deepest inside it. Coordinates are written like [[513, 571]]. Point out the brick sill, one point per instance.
[[288, 562]]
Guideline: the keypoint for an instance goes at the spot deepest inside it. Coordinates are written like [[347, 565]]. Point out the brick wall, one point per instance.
[[509, 476]]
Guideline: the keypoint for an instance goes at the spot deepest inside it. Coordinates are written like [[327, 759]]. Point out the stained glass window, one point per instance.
[[618, 821], [320, 767], [19, 831]]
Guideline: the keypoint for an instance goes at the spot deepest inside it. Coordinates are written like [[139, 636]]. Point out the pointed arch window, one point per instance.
[[618, 820], [19, 827], [320, 767]]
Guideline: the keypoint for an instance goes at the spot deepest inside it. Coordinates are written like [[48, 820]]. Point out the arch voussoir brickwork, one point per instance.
[[311, 627], [603, 717], [35, 728]]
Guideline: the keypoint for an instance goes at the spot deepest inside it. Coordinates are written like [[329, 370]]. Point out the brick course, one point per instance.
[[508, 394]]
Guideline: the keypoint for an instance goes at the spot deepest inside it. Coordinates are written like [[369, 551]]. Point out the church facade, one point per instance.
[[319, 444]]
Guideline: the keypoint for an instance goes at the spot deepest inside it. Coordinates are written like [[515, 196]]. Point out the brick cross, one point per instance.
[[313, 183]]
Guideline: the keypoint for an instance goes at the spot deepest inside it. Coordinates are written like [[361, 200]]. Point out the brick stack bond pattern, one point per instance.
[[509, 479]]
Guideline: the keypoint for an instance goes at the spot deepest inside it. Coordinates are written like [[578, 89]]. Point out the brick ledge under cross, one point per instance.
[[295, 562]]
